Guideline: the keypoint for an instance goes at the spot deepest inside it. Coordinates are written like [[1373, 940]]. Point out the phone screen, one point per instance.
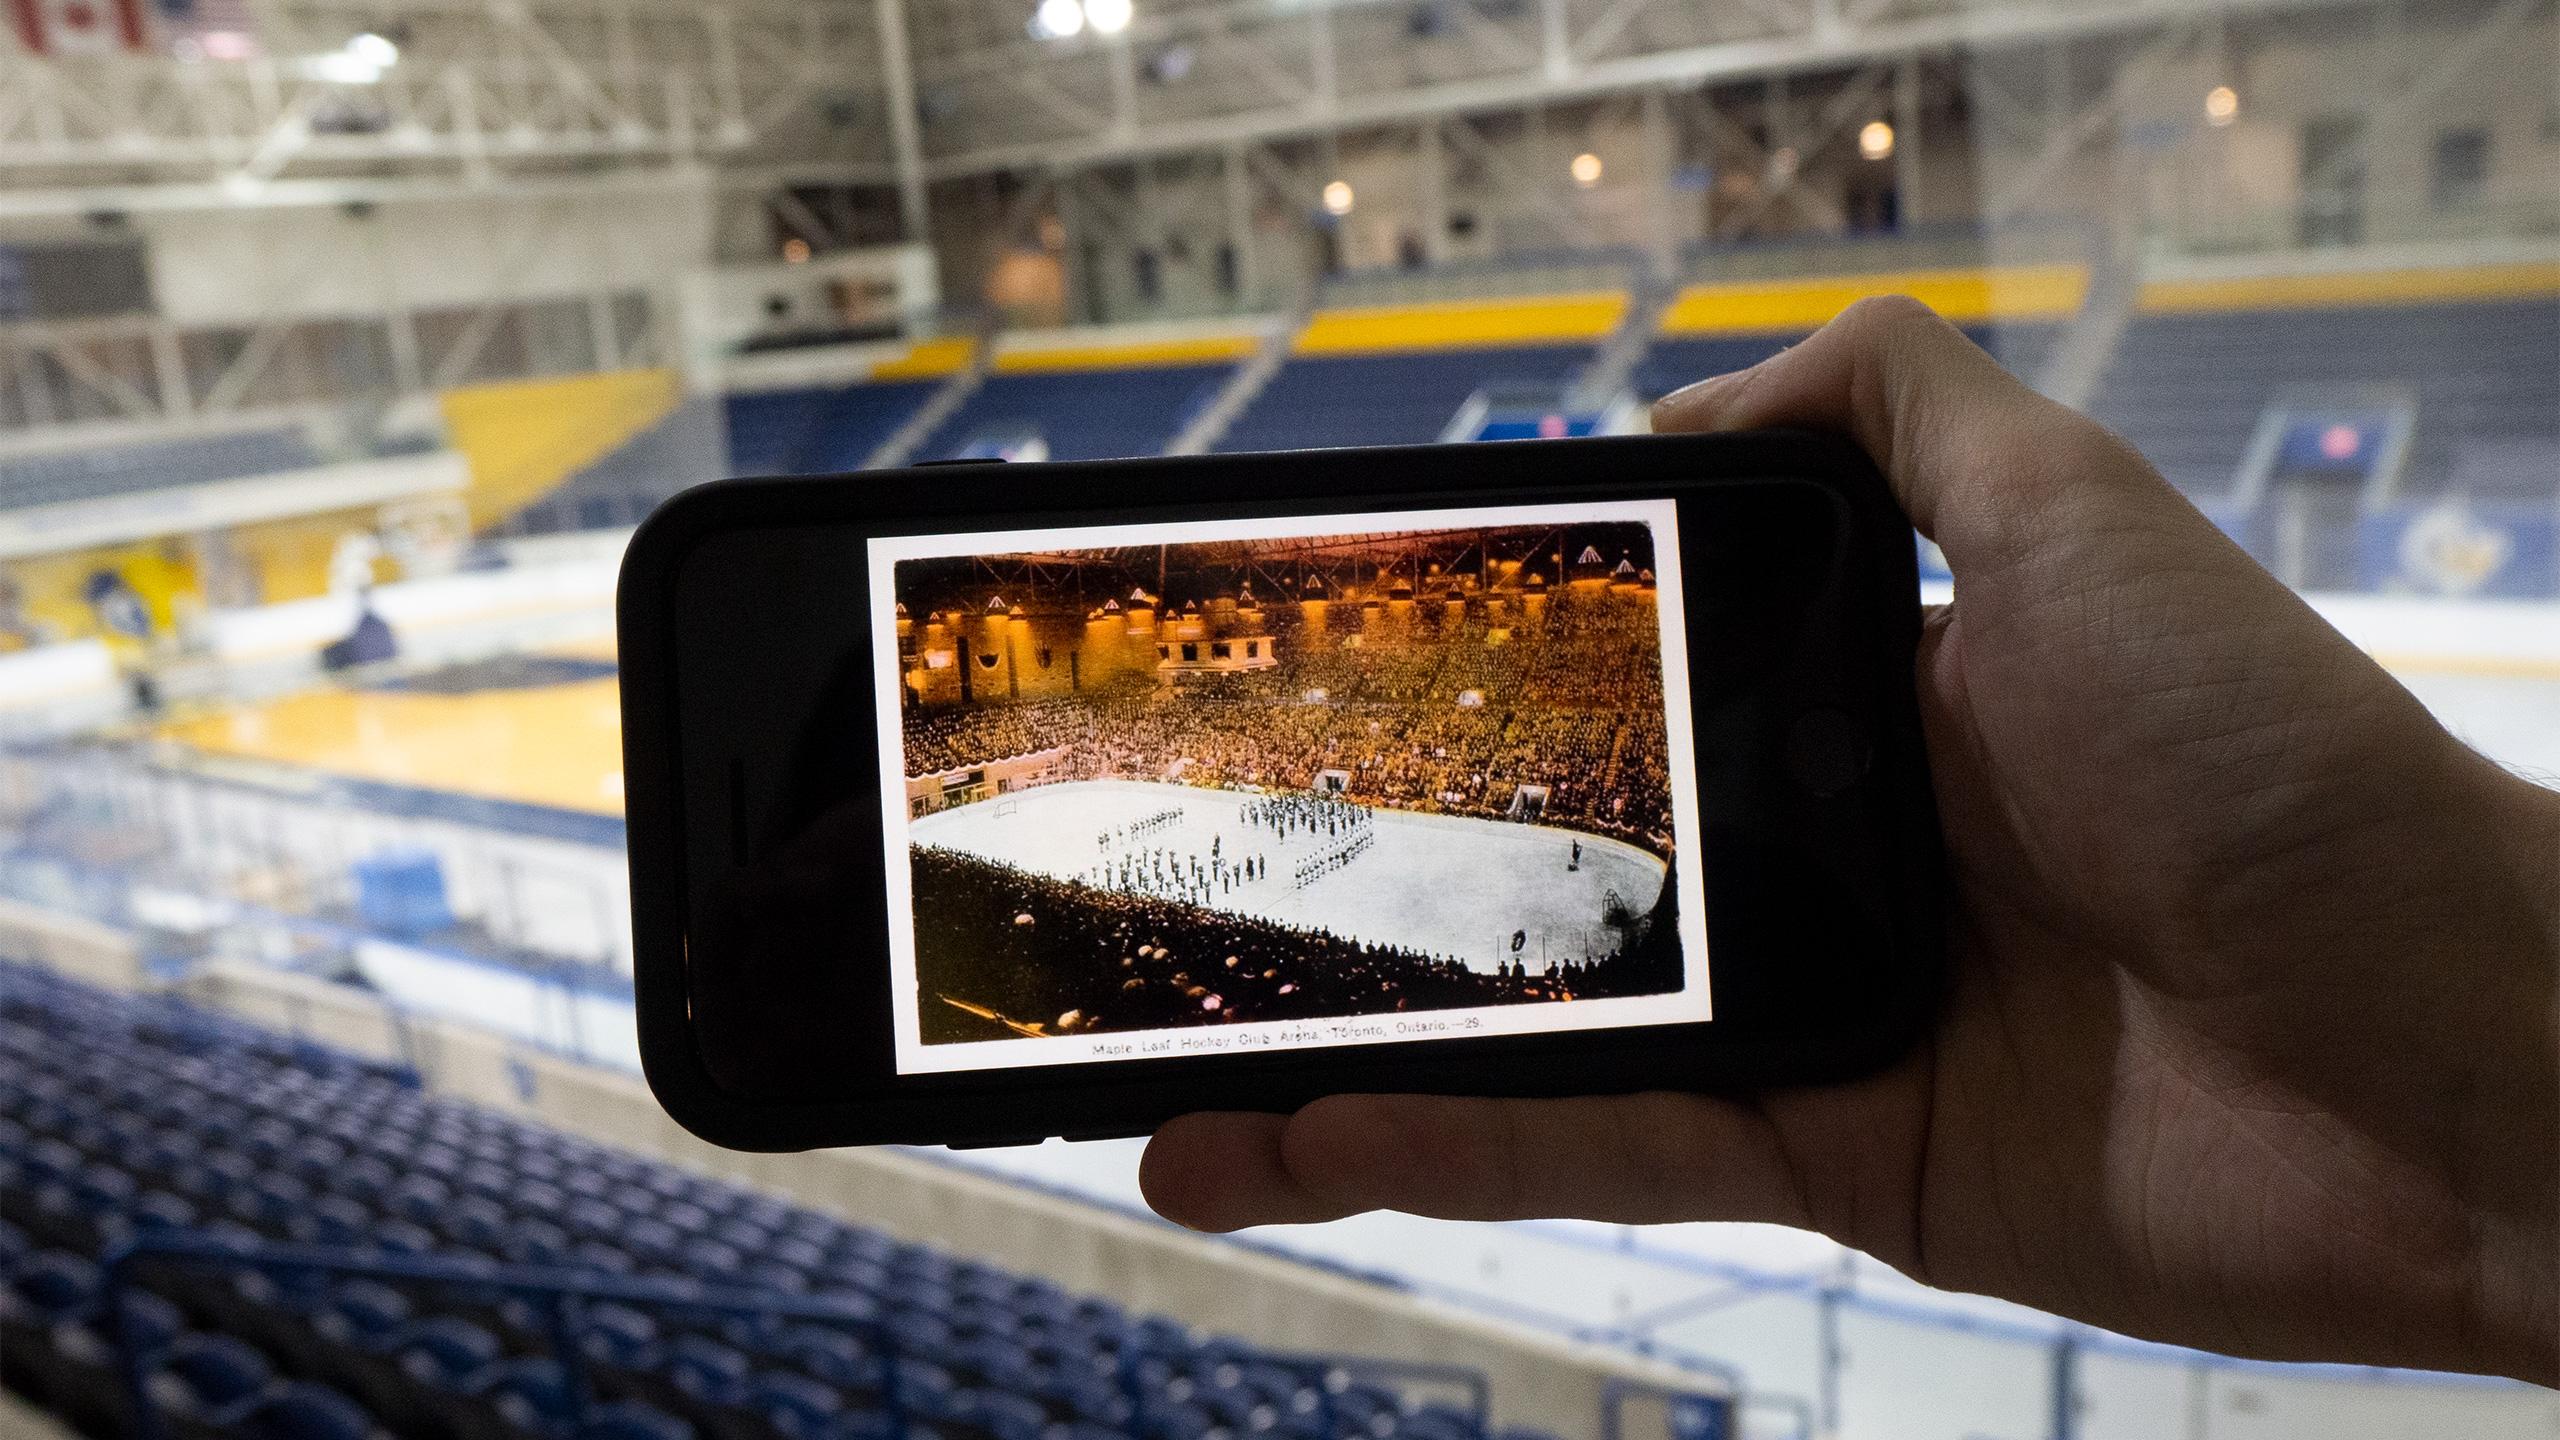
[[1247, 786]]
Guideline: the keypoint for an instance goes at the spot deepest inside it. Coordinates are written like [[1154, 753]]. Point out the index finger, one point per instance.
[[1975, 457], [1629, 1159]]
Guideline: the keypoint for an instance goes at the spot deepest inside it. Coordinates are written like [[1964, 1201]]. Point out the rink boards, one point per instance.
[[1441, 884]]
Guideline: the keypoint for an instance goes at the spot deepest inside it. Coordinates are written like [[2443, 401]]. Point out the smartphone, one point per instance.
[[976, 804]]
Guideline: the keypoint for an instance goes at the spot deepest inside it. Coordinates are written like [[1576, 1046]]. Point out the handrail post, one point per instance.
[[1131, 1388], [893, 1403], [573, 1361], [117, 1286]]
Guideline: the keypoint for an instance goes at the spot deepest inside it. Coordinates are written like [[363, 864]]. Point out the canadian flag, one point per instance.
[[79, 27]]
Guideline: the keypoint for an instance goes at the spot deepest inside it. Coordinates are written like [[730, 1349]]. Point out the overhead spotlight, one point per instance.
[[340, 68], [2221, 105], [1109, 17], [1875, 142], [1056, 19], [1586, 169], [1338, 197], [360, 61]]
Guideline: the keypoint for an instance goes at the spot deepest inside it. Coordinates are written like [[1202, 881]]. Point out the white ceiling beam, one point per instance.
[[1987, 26], [73, 202]]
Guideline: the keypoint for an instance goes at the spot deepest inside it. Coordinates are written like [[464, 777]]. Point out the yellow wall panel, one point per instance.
[[1966, 296], [1553, 319], [291, 558], [1197, 350], [2352, 287], [524, 437], [162, 573], [927, 360]]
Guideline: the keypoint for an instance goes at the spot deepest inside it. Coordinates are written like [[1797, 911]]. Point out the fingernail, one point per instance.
[[1693, 392], [1698, 393]]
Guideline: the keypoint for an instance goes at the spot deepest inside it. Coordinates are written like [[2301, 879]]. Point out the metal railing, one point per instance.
[[2529, 217], [1954, 245], [1535, 273]]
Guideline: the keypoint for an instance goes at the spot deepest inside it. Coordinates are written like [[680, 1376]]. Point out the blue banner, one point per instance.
[[2503, 550], [1539, 425]]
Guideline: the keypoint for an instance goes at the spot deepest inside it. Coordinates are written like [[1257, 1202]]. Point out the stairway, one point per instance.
[[908, 438], [1210, 426], [2080, 360], [1609, 371]]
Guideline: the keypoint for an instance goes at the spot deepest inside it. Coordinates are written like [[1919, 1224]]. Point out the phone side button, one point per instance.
[[1117, 1132], [972, 460], [1005, 1144], [1827, 752]]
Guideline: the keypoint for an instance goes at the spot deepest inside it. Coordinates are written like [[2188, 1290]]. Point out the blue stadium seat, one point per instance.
[[1081, 414], [627, 1420], [2188, 388], [680, 450], [444, 1352], [365, 1315], [102, 472], [526, 1393], [48, 1288], [817, 431], [302, 1411], [1401, 399], [73, 1367], [980, 1353], [205, 1376]]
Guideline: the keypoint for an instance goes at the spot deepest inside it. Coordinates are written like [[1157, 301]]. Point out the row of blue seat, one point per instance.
[[1079, 415], [120, 1116], [817, 430], [1405, 399], [2188, 389], [108, 471]]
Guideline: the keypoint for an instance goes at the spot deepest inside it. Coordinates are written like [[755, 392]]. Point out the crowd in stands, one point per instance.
[[1062, 957], [1441, 712]]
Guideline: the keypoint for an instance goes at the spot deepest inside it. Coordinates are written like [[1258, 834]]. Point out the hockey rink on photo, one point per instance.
[[1435, 884]]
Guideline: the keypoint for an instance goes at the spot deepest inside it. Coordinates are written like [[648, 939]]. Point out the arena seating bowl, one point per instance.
[[818, 431], [103, 472], [1082, 414], [1400, 399], [122, 1115], [2188, 388]]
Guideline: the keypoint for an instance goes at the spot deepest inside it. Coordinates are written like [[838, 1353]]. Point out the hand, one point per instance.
[[2250, 1040]]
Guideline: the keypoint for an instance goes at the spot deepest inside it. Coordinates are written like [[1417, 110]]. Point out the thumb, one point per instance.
[[1982, 464]]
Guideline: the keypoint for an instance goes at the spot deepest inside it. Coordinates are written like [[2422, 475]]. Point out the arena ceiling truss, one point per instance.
[[1273, 568], [902, 93]]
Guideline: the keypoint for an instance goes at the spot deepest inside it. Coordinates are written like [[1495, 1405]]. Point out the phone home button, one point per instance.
[[1827, 752]]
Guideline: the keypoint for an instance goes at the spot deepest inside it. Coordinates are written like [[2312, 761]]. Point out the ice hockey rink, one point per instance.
[[1438, 884]]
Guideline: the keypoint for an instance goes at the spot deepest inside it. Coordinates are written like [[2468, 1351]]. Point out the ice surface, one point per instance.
[[1441, 884]]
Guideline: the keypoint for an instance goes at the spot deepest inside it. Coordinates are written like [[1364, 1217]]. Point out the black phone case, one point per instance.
[[1830, 1000]]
